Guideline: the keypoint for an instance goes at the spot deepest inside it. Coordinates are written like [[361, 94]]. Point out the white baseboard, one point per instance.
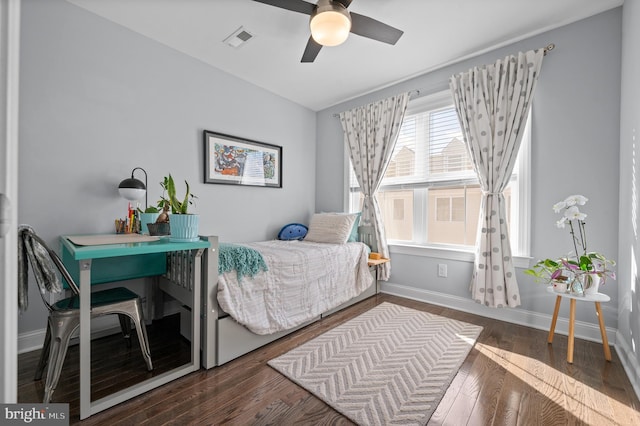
[[629, 363], [30, 341], [583, 330]]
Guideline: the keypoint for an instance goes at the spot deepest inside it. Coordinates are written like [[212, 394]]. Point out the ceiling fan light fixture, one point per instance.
[[330, 23]]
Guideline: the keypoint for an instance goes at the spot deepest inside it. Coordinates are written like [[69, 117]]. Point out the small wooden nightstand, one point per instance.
[[376, 263]]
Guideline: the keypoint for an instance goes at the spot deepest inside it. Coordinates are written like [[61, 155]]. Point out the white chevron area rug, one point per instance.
[[390, 365]]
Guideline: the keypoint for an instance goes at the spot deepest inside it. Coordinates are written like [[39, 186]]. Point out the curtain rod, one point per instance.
[[416, 93]]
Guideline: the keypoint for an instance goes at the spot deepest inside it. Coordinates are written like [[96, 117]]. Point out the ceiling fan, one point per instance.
[[330, 23]]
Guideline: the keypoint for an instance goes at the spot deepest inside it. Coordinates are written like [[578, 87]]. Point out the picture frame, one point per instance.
[[231, 160]]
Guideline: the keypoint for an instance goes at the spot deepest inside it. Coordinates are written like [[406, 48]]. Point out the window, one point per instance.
[[430, 194], [450, 209]]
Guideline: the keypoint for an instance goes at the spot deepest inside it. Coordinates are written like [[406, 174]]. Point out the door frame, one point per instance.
[[9, 94]]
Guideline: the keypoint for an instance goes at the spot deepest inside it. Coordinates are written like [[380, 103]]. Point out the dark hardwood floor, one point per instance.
[[511, 377]]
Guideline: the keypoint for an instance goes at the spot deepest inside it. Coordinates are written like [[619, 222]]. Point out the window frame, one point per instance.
[[520, 221]]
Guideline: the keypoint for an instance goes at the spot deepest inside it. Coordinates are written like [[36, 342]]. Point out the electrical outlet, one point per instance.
[[442, 270]]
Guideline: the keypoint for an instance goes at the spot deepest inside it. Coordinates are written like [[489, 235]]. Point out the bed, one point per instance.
[[241, 313]]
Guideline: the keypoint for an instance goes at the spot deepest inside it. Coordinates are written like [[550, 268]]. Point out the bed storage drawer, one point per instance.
[[235, 340]]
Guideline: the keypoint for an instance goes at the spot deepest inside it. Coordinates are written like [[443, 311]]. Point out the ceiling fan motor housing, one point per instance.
[[330, 23]]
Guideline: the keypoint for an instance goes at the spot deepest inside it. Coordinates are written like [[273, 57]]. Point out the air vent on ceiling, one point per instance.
[[238, 38]]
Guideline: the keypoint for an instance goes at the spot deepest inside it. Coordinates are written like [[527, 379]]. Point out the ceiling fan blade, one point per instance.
[[311, 51], [293, 5], [376, 30], [345, 3]]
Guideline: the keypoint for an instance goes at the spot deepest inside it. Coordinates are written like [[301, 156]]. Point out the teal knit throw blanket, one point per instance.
[[246, 261]]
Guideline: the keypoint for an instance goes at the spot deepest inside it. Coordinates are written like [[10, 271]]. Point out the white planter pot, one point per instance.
[[590, 283], [560, 287], [184, 227]]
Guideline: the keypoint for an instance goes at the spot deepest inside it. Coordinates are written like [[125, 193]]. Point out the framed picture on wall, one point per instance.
[[237, 161]]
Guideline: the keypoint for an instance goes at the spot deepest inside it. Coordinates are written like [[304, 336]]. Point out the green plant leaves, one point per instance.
[[177, 206]]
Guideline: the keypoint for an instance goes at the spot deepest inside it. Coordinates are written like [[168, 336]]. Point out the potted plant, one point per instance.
[[582, 271], [574, 274], [184, 225], [551, 271]]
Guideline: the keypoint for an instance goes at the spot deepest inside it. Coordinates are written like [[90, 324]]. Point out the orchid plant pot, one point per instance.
[[590, 284]]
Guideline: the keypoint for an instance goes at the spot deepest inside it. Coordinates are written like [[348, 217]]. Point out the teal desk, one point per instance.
[[94, 264]]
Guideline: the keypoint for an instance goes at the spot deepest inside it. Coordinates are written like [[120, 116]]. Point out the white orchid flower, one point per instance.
[[573, 200], [561, 222], [573, 213], [559, 206]]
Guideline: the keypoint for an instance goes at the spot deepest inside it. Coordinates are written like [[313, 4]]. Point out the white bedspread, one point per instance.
[[304, 280]]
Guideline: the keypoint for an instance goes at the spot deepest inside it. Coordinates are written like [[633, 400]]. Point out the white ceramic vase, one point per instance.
[[590, 283]]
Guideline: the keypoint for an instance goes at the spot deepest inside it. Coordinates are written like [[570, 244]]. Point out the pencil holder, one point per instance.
[[126, 227]]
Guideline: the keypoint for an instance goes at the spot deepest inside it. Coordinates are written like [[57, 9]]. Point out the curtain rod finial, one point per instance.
[[549, 48]]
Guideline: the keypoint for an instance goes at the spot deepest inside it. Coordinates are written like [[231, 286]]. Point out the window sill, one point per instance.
[[448, 253]]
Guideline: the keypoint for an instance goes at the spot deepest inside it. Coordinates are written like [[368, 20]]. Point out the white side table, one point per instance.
[[596, 298]]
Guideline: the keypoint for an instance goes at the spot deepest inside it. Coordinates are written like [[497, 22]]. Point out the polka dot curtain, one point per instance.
[[493, 102], [371, 132]]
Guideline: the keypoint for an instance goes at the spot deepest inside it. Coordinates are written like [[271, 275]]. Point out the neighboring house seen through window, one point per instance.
[[430, 194]]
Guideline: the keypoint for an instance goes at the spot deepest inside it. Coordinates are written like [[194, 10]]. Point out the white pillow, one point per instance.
[[330, 228]]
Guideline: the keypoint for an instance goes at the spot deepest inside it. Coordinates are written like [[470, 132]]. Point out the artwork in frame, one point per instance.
[[238, 161]]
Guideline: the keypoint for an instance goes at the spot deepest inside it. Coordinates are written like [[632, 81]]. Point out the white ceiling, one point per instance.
[[436, 32]]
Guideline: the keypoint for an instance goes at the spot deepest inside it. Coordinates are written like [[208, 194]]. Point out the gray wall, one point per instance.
[[575, 134], [98, 100], [629, 247]]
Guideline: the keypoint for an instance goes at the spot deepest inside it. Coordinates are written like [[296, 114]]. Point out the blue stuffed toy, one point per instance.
[[293, 231]]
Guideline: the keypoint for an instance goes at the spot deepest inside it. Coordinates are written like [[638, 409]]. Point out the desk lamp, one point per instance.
[[133, 189]]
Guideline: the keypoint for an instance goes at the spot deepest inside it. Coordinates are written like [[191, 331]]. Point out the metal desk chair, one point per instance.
[[64, 315]]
